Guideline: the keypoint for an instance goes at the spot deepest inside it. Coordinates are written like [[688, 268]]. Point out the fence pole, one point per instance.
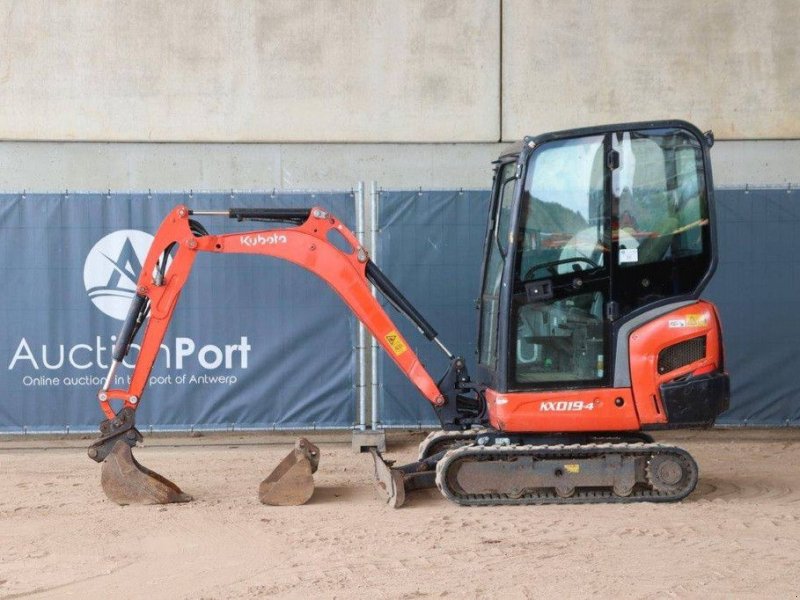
[[361, 351], [374, 208]]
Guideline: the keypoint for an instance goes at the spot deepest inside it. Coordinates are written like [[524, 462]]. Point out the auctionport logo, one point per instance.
[[112, 268], [110, 273]]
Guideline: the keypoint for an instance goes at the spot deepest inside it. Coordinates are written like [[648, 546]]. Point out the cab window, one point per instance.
[[495, 259]]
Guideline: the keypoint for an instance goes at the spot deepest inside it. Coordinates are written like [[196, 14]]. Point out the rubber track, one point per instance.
[[548, 496], [435, 439]]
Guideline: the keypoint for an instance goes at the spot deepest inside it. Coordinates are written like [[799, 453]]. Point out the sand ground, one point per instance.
[[737, 535]]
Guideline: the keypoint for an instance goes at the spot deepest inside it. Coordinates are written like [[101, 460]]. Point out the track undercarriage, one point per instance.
[[485, 467]]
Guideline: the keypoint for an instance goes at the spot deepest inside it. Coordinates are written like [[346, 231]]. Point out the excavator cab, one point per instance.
[[590, 229], [593, 232]]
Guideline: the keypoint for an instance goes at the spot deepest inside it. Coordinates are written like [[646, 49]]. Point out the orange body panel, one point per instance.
[[647, 341], [602, 409], [615, 409], [306, 245]]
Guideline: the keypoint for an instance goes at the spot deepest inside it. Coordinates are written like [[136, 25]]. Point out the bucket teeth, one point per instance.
[[291, 483], [125, 481]]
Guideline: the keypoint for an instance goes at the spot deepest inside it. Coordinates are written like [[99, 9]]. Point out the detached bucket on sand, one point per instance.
[[291, 483]]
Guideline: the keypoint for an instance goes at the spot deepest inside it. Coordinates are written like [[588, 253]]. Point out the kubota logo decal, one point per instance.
[[262, 240], [112, 268]]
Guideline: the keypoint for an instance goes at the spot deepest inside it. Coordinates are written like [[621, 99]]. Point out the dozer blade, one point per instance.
[[390, 481], [125, 481], [291, 482]]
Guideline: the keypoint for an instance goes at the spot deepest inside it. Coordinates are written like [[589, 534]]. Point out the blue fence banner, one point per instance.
[[757, 290], [255, 342], [260, 343], [430, 245]]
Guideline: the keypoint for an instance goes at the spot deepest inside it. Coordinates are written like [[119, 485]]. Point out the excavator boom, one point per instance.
[[308, 245], [316, 241]]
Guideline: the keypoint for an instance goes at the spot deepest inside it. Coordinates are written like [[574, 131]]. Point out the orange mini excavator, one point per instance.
[[591, 330]]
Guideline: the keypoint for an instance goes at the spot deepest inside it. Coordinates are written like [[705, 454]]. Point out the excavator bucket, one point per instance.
[[291, 483], [125, 481], [390, 481]]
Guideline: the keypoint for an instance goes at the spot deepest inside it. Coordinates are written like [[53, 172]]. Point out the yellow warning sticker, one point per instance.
[[395, 342], [572, 468], [696, 320]]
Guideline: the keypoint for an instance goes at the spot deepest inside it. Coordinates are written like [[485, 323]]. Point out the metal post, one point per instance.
[[361, 351], [373, 246]]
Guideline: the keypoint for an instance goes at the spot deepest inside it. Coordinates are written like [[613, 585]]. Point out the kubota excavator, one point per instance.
[[591, 330]]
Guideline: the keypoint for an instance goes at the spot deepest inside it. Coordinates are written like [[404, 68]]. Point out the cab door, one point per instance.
[[558, 334]]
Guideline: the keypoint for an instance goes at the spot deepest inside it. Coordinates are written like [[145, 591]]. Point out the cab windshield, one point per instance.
[[562, 216]]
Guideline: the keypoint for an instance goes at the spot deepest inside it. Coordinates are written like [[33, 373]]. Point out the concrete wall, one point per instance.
[[250, 70], [408, 94], [38, 166], [48, 167], [385, 71], [730, 66]]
